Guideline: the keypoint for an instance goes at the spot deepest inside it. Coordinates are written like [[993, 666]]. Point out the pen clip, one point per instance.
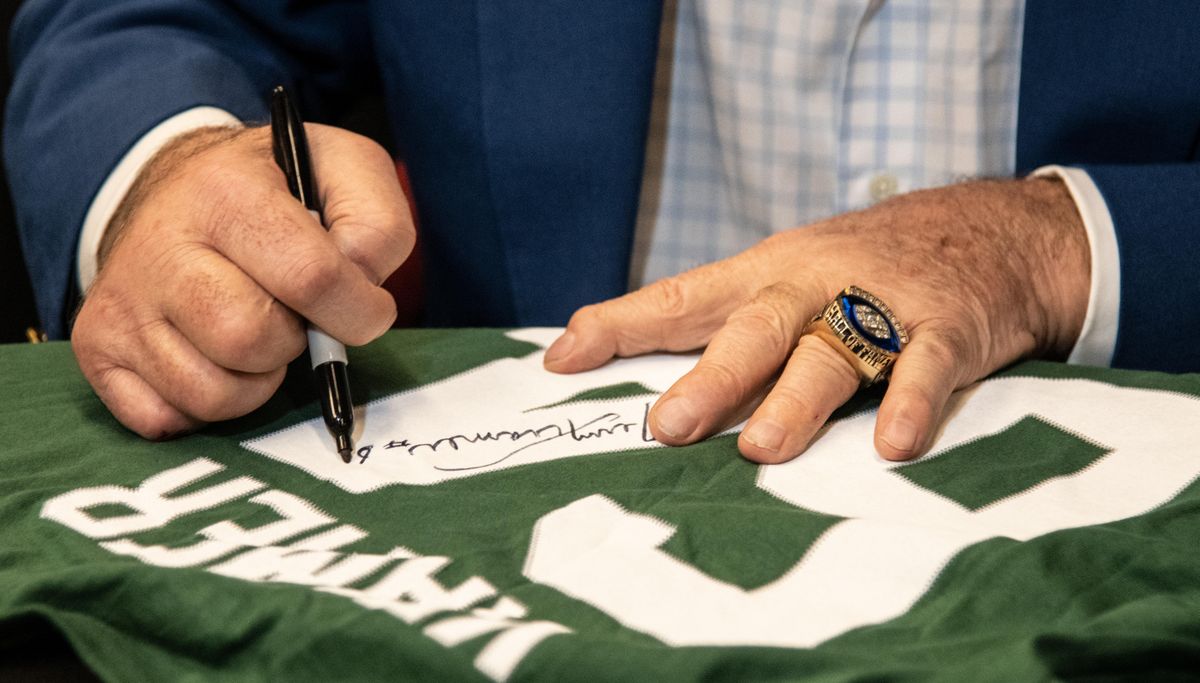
[[290, 145]]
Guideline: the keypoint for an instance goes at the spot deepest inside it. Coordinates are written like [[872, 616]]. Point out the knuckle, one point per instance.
[[365, 257], [911, 400], [828, 360], [311, 276], [669, 298], [397, 237], [798, 406], [764, 320], [236, 329], [724, 380], [105, 329], [949, 344], [228, 397], [149, 416], [379, 245], [211, 405], [783, 291], [243, 338], [157, 422], [203, 395], [586, 318]]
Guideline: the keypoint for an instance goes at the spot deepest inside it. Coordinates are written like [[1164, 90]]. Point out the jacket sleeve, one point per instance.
[[1156, 216], [90, 78]]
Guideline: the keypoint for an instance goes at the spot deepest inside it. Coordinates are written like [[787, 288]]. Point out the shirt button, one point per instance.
[[883, 186]]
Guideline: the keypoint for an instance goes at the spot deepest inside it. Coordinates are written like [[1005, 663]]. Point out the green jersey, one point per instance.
[[499, 522]]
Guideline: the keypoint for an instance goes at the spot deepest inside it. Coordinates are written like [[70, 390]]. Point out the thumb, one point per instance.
[[361, 200]]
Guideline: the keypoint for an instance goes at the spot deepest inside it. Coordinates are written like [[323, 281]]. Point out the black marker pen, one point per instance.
[[328, 354]]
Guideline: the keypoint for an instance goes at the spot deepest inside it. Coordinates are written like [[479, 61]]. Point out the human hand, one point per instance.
[[981, 274], [210, 263]]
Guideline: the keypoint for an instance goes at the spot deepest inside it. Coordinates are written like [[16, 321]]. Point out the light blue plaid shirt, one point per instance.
[[770, 114]]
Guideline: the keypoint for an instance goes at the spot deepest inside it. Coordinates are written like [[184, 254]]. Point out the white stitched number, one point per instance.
[[896, 536]]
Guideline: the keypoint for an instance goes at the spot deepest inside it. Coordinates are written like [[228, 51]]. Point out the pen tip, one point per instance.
[[344, 447]]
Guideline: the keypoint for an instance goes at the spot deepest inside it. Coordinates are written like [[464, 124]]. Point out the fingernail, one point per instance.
[[900, 434], [561, 348], [675, 418], [766, 434]]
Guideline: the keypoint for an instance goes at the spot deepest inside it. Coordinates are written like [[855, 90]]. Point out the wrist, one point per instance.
[[1060, 261]]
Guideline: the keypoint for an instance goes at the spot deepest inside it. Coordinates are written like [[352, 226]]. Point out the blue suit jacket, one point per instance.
[[523, 125]]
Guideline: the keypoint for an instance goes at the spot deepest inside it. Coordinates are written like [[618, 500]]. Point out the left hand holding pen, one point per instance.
[[981, 274]]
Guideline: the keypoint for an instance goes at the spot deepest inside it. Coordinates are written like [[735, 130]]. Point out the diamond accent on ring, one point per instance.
[[872, 321]]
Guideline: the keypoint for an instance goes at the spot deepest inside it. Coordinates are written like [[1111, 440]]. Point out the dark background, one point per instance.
[[16, 297]]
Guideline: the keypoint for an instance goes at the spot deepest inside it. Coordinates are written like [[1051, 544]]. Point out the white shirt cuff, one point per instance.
[[1098, 338], [117, 185]]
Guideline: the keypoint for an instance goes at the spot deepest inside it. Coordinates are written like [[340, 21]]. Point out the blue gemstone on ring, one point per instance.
[[872, 329]]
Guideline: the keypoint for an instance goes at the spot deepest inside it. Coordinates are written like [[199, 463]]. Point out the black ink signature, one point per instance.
[[597, 428]]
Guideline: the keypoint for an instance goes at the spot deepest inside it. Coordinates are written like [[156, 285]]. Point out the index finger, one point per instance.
[[289, 253], [678, 313]]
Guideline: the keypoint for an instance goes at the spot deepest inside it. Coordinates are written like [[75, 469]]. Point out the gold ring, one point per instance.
[[863, 329]]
